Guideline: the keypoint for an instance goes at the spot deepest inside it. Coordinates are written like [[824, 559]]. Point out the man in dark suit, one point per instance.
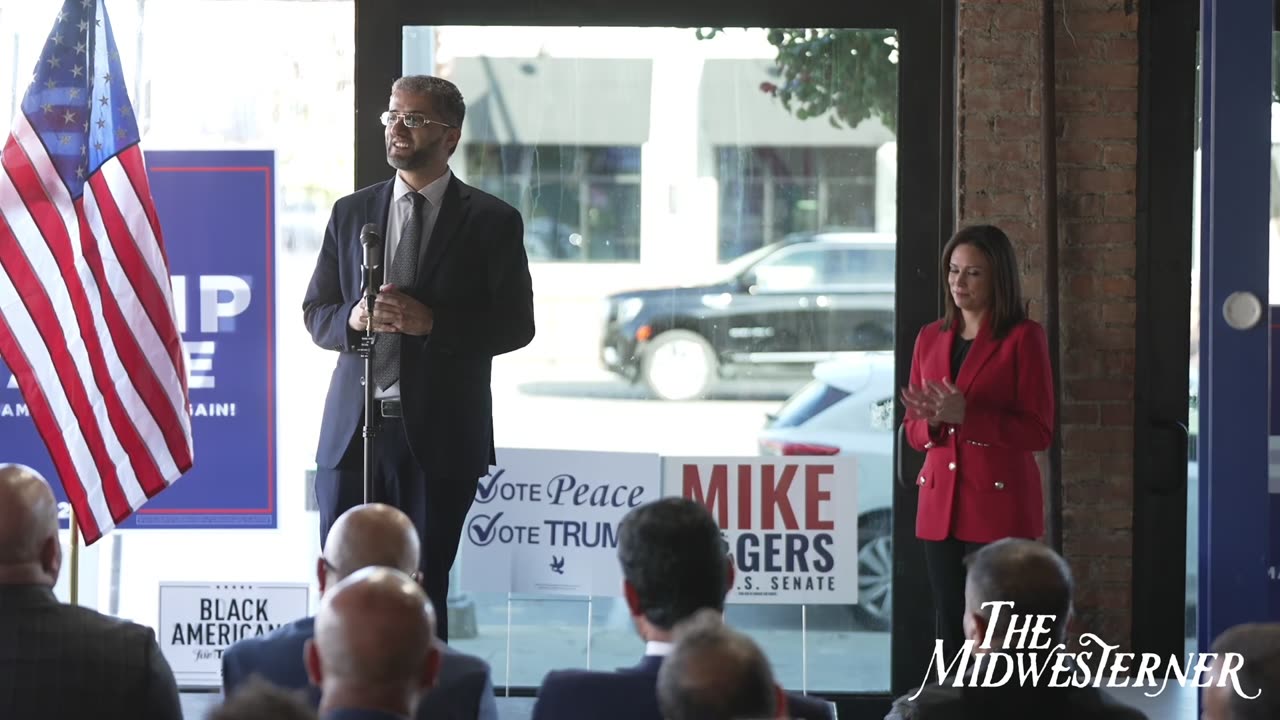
[[372, 655], [674, 563], [456, 292], [716, 673], [365, 536], [1038, 582], [63, 661]]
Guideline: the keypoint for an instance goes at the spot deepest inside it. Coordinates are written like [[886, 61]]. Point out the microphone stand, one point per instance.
[[370, 427], [372, 244]]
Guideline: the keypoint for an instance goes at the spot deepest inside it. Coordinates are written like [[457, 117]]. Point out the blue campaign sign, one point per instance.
[[1273, 482], [217, 214]]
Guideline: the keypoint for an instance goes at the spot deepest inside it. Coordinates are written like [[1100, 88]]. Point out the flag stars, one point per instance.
[[50, 84], [102, 101], [106, 78], [97, 146], [120, 133], [80, 172], [125, 110], [80, 48], [101, 123], [64, 140], [54, 62], [57, 39], [69, 117], [77, 71], [75, 93], [47, 107], [84, 25], [85, 4]]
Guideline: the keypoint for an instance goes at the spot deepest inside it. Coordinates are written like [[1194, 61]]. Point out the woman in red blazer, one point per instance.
[[979, 405]]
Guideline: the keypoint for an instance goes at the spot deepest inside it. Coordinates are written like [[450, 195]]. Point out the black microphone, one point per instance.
[[371, 239]]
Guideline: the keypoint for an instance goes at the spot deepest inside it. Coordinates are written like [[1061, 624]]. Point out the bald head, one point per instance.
[[371, 535], [29, 549], [1027, 573], [715, 673], [374, 638]]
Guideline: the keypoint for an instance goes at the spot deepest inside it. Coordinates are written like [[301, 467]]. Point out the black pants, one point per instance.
[[945, 559], [437, 506]]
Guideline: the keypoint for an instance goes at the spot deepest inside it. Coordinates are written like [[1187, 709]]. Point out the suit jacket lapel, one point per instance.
[[979, 352], [453, 208]]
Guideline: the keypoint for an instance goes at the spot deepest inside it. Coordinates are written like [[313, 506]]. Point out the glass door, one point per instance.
[[712, 218]]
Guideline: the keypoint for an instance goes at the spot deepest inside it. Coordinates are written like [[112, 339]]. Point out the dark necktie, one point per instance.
[[402, 273]]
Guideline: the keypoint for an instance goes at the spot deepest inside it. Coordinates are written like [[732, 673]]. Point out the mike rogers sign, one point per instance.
[[791, 524], [198, 621], [546, 521]]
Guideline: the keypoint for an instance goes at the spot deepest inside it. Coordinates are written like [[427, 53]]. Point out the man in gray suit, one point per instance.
[[62, 661], [364, 536]]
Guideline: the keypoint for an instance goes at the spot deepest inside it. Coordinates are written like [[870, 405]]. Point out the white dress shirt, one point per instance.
[[657, 647], [401, 206]]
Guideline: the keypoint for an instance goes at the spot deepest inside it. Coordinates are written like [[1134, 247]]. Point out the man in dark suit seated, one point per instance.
[[716, 673], [63, 661], [364, 536], [372, 655], [1038, 582], [674, 563]]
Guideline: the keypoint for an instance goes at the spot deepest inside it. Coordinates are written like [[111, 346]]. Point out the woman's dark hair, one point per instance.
[[1007, 306]]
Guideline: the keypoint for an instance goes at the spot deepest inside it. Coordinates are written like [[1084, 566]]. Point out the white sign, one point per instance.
[[198, 621], [791, 523], [546, 521]]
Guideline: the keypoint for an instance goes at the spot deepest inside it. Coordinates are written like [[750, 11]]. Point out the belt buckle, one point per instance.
[[390, 408]]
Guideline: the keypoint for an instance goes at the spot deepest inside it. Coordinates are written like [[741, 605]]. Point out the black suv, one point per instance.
[[778, 311]]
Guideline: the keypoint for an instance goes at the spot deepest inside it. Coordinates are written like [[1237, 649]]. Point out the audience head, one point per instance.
[[716, 673], [259, 700], [981, 258], [371, 535], [30, 552], [374, 643], [1257, 677], [674, 563], [1030, 575]]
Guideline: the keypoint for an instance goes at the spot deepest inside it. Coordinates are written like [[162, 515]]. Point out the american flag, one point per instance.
[[87, 322]]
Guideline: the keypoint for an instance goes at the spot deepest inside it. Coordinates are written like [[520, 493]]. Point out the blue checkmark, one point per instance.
[[485, 491], [484, 529]]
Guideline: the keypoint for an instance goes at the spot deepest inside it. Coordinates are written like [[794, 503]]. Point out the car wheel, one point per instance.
[[678, 365], [875, 572]]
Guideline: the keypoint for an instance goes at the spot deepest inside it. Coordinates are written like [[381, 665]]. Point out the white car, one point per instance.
[[847, 409]]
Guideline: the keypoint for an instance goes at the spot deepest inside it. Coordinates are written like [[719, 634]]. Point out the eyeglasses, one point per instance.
[[411, 120]]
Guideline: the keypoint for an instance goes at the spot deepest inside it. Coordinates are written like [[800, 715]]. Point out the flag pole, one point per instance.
[[75, 559]]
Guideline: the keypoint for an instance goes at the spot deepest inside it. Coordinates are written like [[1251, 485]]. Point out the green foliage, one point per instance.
[[846, 76]]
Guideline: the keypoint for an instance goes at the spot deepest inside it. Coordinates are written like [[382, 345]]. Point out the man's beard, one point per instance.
[[419, 159]]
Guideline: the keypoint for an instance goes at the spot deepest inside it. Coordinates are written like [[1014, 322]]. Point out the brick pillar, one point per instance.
[[999, 180]]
